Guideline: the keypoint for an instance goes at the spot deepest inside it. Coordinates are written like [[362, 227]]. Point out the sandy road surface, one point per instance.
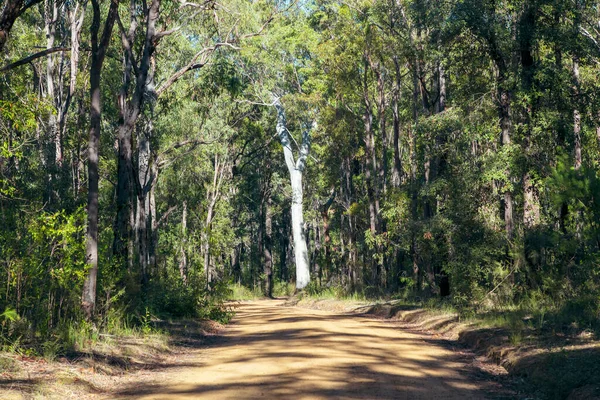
[[275, 352]]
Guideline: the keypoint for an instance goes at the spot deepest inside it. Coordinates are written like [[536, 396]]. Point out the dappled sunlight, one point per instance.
[[276, 352]]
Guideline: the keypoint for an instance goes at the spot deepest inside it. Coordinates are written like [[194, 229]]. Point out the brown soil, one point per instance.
[[275, 352]]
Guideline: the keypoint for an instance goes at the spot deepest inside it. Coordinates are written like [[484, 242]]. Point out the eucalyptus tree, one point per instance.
[[148, 75], [296, 169], [99, 45], [492, 24], [280, 73]]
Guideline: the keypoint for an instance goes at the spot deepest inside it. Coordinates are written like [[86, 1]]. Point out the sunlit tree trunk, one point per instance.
[[505, 126], [143, 218], [296, 169], [397, 169], [76, 17], [51, 19], [212, 196], [183, 258], [576, 115]]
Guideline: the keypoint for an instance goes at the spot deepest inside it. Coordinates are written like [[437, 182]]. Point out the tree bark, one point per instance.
[[397, 169], [531, 212], [267, 247], [296, 169], [576, 115], [183, 257], [142, 221], [505, 127], [417, 271], [50, 19], [212, 196], [284, 245], [326, 234], [99, 48], [76, 20], [12, 10]]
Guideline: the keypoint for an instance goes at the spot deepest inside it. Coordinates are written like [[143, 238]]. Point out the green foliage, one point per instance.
[[283, 289], [9, 315], [61, 236], [239, 292]]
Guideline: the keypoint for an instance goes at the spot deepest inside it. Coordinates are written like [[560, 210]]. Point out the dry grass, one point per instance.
[[109, 364]]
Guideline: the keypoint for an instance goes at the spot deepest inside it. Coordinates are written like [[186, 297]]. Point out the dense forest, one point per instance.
[[157, 152]]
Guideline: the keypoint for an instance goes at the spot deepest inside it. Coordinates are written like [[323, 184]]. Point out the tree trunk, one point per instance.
[[130, 110], [183, 258], [326, 236], [206, 250], [142, 231], [123, 238], [88, 300], [505, 126], [212, 196], [576, 115], [51, 17], [531, 212], [417, 272], [298, 233], [371, 170], [397, 171], [284, 245], [296, 169], [267, 248], [76, 20], [153, 223], [381, 110]]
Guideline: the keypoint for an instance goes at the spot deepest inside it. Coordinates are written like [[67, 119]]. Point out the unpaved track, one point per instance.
[[275, 352]]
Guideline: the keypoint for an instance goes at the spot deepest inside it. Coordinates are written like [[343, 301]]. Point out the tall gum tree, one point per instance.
[[99, 48]]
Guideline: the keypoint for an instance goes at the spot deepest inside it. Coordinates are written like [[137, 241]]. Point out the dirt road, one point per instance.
[[275, 352]]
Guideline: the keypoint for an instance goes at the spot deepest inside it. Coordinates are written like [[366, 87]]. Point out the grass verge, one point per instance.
[[101, 365]]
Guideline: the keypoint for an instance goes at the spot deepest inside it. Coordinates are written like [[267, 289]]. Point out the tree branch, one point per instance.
[[193, 64], [589, 36], [32, 57], [127, 44], [164, 217], [27, 6], [284, 136], [204, 6], [162, 34], [190, 142], [325, 207]]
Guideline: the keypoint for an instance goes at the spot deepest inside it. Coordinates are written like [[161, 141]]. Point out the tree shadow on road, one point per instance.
[[376, 373]]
